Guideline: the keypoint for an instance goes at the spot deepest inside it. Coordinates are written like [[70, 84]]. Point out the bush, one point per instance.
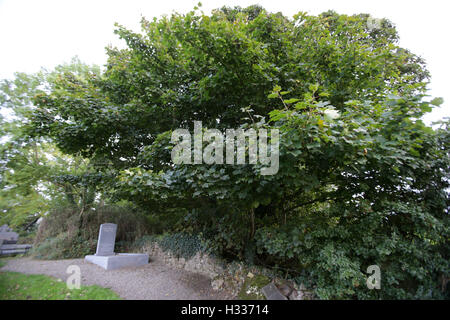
[[181, 245], [64, 246], [224, 232], [59, 235], [26, 237], [333, 248]]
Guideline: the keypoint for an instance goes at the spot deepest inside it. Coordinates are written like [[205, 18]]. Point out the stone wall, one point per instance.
[[235, 278], [201, 263]]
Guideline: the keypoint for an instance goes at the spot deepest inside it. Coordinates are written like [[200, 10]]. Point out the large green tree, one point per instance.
[[362, 180], [34, 175]]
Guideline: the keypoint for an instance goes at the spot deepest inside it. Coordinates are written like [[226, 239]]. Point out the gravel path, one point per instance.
[[155, 281]]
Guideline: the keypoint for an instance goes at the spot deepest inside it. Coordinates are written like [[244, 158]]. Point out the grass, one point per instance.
[[2, 262], [18, 286]]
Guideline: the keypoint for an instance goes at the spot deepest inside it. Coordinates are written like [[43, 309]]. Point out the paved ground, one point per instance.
[[155, 281]]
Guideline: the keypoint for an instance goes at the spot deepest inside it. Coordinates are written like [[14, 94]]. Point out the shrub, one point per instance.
[[334, 247], [64, 246], [59, 235], [181, 245]]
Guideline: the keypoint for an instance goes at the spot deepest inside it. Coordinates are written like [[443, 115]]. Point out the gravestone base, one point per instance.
[[120, 260]]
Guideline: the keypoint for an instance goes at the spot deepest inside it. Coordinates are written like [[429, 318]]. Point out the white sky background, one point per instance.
[[35, 34]]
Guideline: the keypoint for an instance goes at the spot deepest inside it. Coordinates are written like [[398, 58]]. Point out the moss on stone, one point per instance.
[[251, 289]]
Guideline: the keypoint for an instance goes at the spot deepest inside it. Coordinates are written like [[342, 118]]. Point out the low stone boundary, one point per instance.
[[240, 281], [201, 263]]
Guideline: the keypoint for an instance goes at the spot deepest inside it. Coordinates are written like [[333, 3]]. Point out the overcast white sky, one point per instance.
[[35, 34]]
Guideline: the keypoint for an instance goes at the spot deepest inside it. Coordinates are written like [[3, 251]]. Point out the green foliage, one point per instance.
[[334, 247], [61, 236], [63, 246], [197, 67], [35, 176], [181, 244], [20, 157], [224, 233]]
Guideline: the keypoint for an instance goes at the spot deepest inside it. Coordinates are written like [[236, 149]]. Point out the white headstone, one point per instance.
[[106, 239], [105, 256]]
